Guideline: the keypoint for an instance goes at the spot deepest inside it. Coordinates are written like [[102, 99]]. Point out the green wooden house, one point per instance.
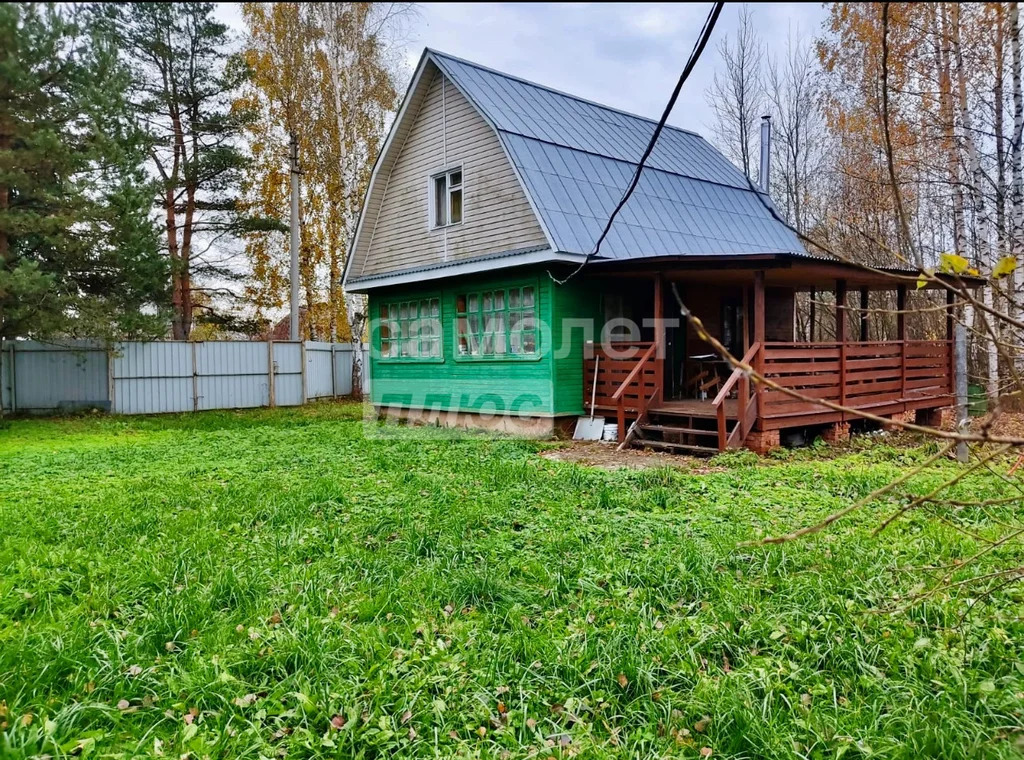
[[487, 308]]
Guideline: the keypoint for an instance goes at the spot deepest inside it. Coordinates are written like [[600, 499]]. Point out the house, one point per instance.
[[487, 310]]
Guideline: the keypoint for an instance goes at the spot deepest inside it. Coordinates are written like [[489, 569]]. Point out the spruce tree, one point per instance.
[[79, 253]]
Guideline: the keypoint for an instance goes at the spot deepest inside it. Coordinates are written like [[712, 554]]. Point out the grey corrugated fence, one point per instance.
[[135, 377]]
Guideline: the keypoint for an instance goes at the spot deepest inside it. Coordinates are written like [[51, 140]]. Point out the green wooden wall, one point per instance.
[[549, 384]]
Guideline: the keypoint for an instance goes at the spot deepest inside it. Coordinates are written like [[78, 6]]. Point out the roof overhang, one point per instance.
[[487, 263], [800, 271]]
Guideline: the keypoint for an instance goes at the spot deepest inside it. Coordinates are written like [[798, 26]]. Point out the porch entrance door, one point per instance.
[[675, 349]]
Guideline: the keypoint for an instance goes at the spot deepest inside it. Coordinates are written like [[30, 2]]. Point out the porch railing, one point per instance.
[[746, 412], [628, 379], [858, 375]]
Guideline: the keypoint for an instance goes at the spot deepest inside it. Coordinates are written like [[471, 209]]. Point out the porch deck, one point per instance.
[[814, 384], [702, 408]]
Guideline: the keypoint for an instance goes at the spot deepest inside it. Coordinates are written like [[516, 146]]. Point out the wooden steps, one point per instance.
[[686, 427], [680, 448]]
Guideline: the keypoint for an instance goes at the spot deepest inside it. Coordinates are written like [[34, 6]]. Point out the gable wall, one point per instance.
[[446, 131]]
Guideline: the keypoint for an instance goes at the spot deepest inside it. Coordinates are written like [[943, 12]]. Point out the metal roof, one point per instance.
[[576, 158]]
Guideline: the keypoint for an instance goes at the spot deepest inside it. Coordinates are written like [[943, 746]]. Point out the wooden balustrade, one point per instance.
[[882, 377], [744, 421], [627, 379], [869, 375]]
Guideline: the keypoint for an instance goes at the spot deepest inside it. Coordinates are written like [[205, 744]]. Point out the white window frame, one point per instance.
[[432, 192]]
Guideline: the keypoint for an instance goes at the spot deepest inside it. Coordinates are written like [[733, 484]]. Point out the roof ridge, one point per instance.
[[562, 93]]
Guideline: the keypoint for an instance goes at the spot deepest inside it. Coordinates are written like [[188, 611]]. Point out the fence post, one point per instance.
[[271, 400], [195, 379], [302, 366], [110, 376], [334, 381], [13, 374]]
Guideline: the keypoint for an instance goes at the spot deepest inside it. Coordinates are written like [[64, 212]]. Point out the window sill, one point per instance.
[[510, 358], [436, 227], [410, 360]]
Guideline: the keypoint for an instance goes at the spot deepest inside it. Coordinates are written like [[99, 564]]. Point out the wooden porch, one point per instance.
[[805, 384]]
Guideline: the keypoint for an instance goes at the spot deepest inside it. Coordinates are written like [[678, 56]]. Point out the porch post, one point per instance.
[[863, 315], [810, 318], [950, 323], [759, 337], [746, 319], [659, 337], [841, 337], [956, 335], [901, 336]]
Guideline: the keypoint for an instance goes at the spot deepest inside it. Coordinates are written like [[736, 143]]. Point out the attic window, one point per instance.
[[446, 206]]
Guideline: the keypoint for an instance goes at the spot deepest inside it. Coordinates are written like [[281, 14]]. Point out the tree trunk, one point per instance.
[[173, 252], [999, 50], [184, 315], [890, 159], [984, 257], [1016, 173], [5, 243], [941, 42], [355, 305]]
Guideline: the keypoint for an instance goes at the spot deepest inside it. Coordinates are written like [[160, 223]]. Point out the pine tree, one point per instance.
[[186, 80], [78, 252]]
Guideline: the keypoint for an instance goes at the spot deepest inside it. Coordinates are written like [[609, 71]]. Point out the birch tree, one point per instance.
[[1016, 172], [980, 207], [359, 44], [737, 94]]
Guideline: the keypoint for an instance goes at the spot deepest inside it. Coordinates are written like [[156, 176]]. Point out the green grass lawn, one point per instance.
[[272, 583]]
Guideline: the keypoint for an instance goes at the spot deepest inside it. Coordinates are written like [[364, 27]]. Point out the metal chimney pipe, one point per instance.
[[766, 151]]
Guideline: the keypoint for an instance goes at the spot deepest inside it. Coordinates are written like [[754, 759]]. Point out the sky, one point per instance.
[[625, 55]]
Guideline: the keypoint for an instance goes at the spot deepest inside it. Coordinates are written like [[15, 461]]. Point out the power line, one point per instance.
[[698, 49]]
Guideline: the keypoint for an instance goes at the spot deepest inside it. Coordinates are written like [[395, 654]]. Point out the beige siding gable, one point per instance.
[[446, 131]]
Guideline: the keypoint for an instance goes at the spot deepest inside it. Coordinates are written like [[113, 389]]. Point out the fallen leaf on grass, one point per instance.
[[702, 725], [406, 716], [338, 721], [123, 705], [134, 670], [623, 681], [705, 751]]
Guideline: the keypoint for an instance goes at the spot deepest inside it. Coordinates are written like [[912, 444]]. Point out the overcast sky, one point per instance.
[[627, 55]]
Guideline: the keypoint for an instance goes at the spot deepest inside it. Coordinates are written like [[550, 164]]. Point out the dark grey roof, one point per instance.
[[577, 157]]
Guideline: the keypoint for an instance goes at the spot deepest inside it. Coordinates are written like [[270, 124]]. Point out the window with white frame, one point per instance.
[[410, 329], [498, 323], [446, 189]]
